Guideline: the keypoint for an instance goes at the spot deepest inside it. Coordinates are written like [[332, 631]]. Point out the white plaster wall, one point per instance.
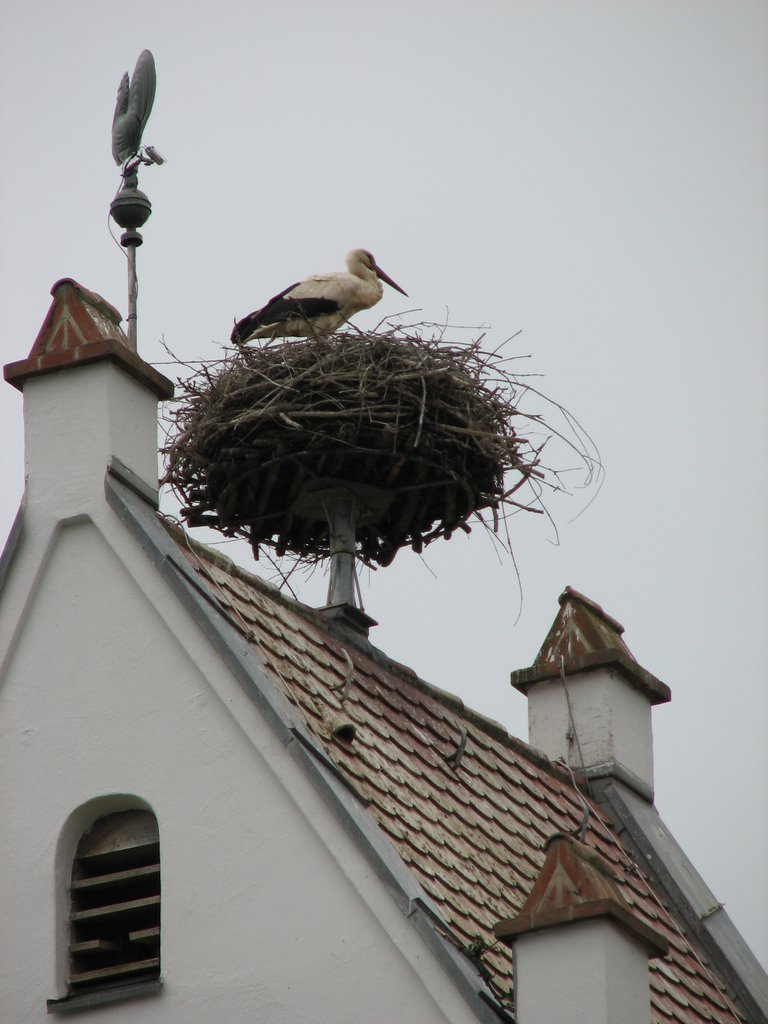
[[548, 720], [612, 718], [76, 420], [591, 972], [269, 911], [633, 730]]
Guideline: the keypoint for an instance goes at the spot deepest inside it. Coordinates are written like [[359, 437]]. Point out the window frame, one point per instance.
[[104, 838]]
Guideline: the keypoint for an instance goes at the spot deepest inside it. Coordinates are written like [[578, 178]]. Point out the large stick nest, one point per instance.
[[436, 426]]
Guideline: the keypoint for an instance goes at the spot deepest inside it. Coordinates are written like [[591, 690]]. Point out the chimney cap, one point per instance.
[[82, 327], [584, 637], [577, 884]]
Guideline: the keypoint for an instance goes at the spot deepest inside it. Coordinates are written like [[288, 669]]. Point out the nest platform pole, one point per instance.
[[341, 510], [345, 507]]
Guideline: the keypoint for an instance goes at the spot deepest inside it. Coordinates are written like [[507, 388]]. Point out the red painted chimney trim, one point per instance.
[[80, 328], [576, 884]]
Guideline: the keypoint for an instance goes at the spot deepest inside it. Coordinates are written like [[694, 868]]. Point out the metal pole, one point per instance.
[[131, 209], [341, 512], [133, 291]]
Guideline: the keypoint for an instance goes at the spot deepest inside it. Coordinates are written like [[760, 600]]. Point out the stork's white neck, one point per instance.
[[365, 273], [359, 266]]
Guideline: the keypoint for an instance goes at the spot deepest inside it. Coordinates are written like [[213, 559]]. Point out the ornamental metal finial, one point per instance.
[[131, 208], [134, 105]]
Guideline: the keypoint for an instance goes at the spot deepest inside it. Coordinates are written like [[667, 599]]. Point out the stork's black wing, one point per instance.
[[278, 310]]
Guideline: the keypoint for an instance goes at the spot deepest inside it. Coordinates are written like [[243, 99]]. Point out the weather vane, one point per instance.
[[131, 208]]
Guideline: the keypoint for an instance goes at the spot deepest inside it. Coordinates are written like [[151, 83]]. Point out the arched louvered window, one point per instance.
[[114, 919]]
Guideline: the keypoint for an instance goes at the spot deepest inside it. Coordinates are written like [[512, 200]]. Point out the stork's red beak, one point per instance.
[[385, 277]]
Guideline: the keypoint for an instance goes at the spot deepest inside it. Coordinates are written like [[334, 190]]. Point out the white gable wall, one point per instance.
[[269, 910]]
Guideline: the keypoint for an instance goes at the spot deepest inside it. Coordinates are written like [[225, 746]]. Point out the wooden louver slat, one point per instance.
[[94, 946], [116, 877], [113, 909], [146, 936], [120, 970]]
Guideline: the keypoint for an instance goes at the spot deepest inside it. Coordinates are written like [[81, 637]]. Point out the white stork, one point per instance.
[[319, 304]]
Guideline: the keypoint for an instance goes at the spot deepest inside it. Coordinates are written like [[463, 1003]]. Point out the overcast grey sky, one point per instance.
[[592, 174]]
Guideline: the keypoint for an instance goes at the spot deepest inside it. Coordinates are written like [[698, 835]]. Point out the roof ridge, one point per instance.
[[223, 561]]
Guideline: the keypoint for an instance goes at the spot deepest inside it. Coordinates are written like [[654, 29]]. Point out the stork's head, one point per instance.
[[361, 262]]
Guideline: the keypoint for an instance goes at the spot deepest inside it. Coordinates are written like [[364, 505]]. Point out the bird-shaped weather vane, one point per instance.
[[131, 208]]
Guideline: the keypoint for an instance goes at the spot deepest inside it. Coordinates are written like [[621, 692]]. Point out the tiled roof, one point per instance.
[[468, 807]]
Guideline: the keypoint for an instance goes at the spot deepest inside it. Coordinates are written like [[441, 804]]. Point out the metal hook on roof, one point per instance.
[[454, 759], [347, 680]]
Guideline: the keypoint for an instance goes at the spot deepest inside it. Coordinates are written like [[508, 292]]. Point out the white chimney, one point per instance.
[[89, 400], [580, 952], [589, 702]]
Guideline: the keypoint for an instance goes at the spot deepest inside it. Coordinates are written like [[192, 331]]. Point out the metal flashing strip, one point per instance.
[[320, 754], [614, 770], [118, 469], [658, 853], [225, 637]]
